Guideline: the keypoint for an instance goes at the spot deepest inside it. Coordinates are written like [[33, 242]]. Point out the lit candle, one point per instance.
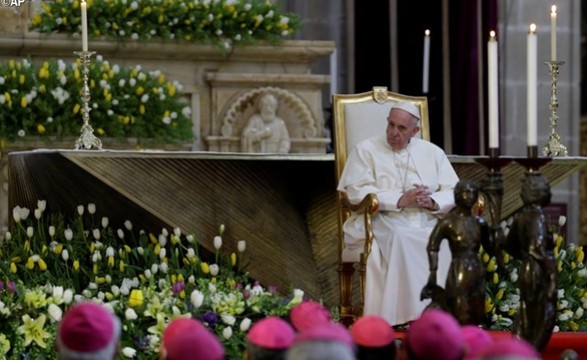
[[532, 99], [493, 92], [84, 26], [426, 62], [553, 33]]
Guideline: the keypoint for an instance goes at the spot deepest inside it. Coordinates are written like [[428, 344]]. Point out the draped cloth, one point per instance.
[[398, 267]]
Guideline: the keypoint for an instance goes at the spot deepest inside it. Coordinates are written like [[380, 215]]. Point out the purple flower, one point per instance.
[[11, 287], [178, 287], [210, 319]]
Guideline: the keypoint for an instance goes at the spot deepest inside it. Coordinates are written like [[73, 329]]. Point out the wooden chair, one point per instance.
[[357, 117]]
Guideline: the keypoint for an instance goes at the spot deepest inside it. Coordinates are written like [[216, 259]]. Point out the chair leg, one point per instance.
[[362, 283], [346, 272]]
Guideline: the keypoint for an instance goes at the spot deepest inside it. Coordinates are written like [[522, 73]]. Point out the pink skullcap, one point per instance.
[[435, 335], [476, 338], [372, 331], [308, 314], [329, 331], [407, 106], [88, 328], [511, 346], [188, 339], [271, 333]]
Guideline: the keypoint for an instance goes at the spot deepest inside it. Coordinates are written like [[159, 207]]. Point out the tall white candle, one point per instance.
[[553, 33], [532, 99], [84, 26], [426, 62], [333, 73], [493, 91]]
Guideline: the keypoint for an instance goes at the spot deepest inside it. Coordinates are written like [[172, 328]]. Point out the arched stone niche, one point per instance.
[[298, 107]]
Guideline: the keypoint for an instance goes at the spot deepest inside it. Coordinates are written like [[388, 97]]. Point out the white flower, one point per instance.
[[65, 255], [104, 222], [155, 268], [42, 205], [164, 267], [57, 292], [30, 231], [51, 230], [67, 296], [190, 253], [120, 233], [130, 314], [227, 332], [197, 298], [228, 319], [128, 225], [140, 250], [211, 288], [241, 246], [561, 293], [109, 251], [96, 234], [55, 312], [162, 240], [578, 313], [148, 273], [162, 253], [129, 352], [217, 242], [562, 220], [68, 234], [37, 214], [245, 324], [190, 238], [214, 269], [80, 210]]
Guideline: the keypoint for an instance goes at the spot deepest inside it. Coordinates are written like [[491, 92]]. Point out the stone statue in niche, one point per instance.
[[531, 240], [464, 292], [265, 132]]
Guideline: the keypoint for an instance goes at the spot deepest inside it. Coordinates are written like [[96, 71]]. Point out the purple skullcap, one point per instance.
[[271, 333]]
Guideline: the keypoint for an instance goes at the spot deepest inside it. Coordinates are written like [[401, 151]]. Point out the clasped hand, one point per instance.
[[418, 197]]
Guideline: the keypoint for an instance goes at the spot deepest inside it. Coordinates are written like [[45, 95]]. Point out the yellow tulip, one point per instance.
[[111, 261], [142, 277], [127, 249], [44, 249], [121, 266], [95, 269], [101, 280], [205, 267], [13, 268], [140, 90], [30, 263], [233, 259], [153, 238], [76, 265], [499, 294], [142, 111], [21, 79], [76, 108], [23, 102], [27, 245], [512, 311], [109, 296], [42, 264], [580, 254], [41, 129], [136, 298], [506, 258], [42, 89], [495, 278]]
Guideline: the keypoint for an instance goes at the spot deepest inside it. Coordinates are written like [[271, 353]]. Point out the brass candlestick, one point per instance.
[[87, 139], [554, 147]]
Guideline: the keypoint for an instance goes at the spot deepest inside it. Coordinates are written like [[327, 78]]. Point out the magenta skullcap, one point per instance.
[[372, 331], [187, 339], [329, 331], [308, 314], [88, 328], [476, 338], [511, 346], [271, 333], [435, 335], [407, 106]]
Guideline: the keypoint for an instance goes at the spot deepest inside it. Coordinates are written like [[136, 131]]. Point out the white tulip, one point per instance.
[[164, 267], [130, 314], [91, 208], [51, 230], [245, 324], [128, 225], [162, 253], [57, 292], [65, 255], [37, 214], [164, 232], [162, 240], [177, 231], [8, 236], [109, 251], [227, 332], [129, 352], [192, 279], [190, 238], [68, 296], [80, 210], [214, 269], [68, 234], [562, 220], [140, 250], [197, 298], [217, 242], [221, 229], [55, 312], [148, 273], [191, 253], [42, 205], [228, 319], [115, 290], [241, 246], [30, 231], [120, 233], [155, 268], [104, 222]]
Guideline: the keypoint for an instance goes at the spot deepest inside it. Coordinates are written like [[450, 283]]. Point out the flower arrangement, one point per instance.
[[43, 100], [223, 22], [48, 262], [503, 299]]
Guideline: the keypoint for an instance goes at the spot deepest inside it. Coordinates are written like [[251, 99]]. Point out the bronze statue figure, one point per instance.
[[530, 239], [464, 292]]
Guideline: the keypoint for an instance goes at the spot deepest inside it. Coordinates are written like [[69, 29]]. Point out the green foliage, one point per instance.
[[48, 262], [226, 23], [43, 100]]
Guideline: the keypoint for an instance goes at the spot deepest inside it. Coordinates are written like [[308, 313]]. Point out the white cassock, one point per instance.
[[398, 266]]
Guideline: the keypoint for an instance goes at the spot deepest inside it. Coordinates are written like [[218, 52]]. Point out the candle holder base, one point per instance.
[[554, 147]]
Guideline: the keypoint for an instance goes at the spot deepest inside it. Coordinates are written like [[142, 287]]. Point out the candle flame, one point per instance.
[[427, 32], [492, 35], [553, 9], [532, 28]]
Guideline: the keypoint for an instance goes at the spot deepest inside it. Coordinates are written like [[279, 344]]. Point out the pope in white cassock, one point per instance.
[[414, 182]]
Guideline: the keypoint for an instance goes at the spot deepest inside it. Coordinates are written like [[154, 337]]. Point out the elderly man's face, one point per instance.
[[401, 127]]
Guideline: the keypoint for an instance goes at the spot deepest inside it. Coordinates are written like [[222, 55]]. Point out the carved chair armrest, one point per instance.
[[368, 207]]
